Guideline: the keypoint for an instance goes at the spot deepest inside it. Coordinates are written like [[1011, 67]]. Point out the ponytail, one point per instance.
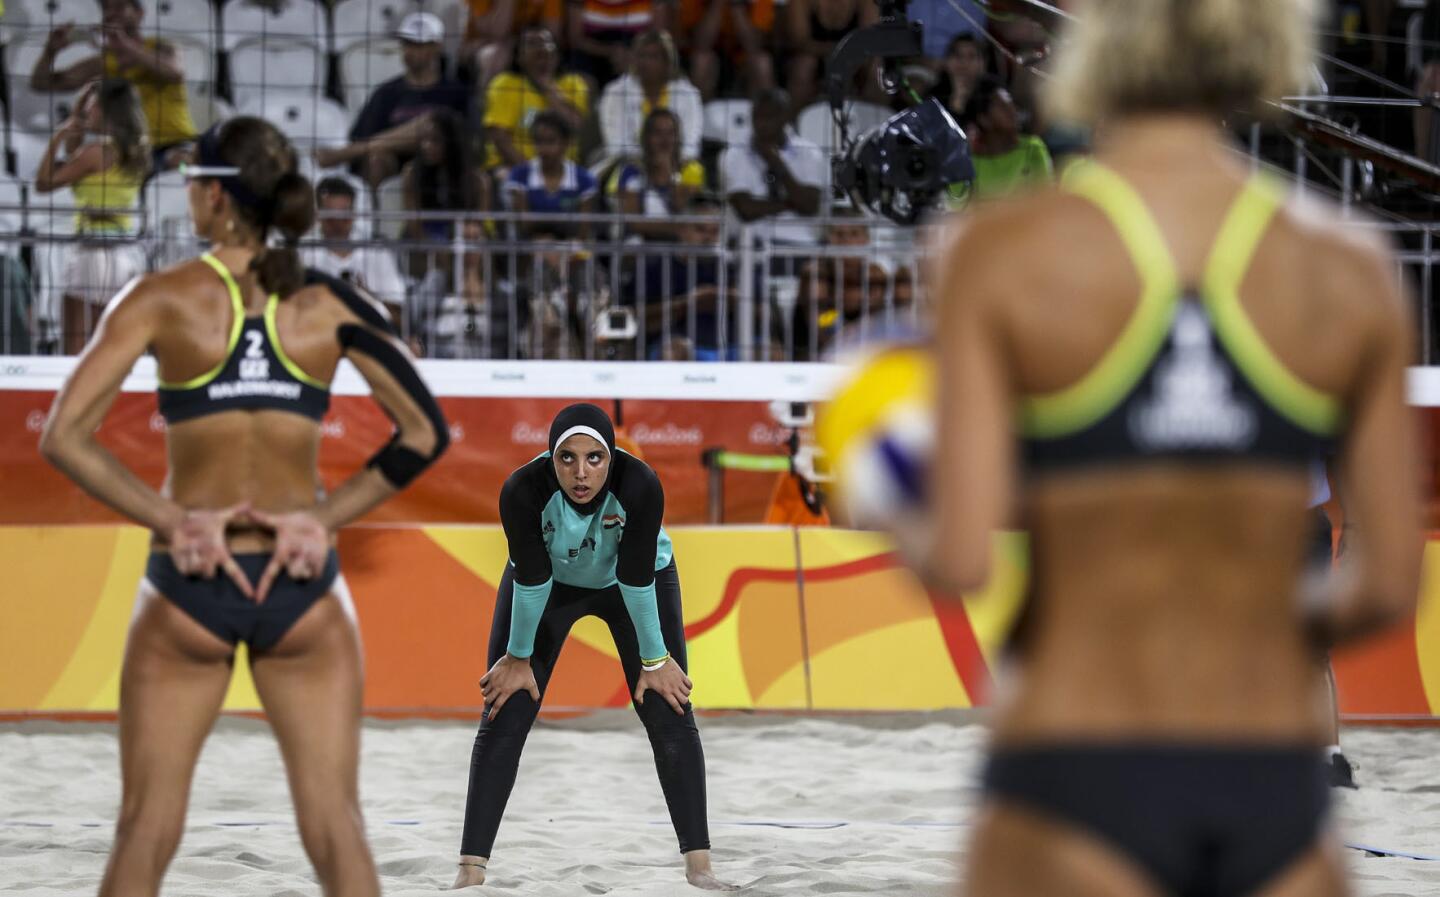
[[279, 268]]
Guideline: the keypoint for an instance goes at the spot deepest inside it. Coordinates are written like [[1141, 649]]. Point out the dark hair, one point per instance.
[[985, 92], [335, 186], [555, 122], [649, 126], [286, 201], [534, 28], [945, 90], [450, 185], [773, 96], [124, 119]]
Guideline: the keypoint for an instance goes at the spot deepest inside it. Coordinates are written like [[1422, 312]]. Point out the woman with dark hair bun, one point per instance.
[[245, 342]]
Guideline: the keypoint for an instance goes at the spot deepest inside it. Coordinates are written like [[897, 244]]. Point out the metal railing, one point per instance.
[[736, 295], [495, 288]]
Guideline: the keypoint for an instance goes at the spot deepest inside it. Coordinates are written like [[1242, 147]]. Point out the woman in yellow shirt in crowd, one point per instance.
[[106, 157]]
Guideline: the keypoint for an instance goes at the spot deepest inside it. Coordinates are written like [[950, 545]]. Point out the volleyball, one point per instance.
[[879, 433]]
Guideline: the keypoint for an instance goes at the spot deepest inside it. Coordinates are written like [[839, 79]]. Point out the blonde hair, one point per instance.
[[1216, 56]]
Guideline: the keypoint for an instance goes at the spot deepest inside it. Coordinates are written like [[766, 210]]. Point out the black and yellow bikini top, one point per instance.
[[256, 373], [1189, 378]]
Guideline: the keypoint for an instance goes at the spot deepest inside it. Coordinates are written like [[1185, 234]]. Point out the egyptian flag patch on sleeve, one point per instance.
[[610, 521]]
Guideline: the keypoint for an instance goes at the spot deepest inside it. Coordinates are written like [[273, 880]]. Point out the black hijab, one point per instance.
[[589, 420]]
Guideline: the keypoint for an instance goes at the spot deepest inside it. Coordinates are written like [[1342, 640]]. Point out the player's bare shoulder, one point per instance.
[[992, 249], [167, 289], [1350, 261]]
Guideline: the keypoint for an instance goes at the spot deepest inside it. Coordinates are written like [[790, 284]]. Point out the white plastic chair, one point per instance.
[[728, 122], [28, 147], [304, 21], [193, 21], [197, 60], [32, 18], [367, 21], [260, 68], [817, 123], [11, 199], [31, 109], [390, 197], [366, 66], [307, 119]]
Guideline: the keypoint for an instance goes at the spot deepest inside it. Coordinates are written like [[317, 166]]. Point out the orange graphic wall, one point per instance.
[[776, 618], [489, 438]]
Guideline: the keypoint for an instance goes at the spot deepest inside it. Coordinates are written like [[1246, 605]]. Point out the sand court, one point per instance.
[[798, 806]]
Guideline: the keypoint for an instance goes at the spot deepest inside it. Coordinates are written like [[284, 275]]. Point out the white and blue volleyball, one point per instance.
[[878, 432]]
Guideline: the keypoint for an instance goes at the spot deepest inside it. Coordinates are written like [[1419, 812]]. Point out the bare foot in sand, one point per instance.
[[699, 873], [472, 873]]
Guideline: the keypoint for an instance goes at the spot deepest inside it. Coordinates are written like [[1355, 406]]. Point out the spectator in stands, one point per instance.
[[779, 177], [491, 29], [513, 99], [728, 38], [662, 183], [815, 27], [104, 172], [149, 63], [551, 183], [653, 82], [1006, 160], [600, 32], [853, 290], [691, 287], [965, 63], [441, 178], [386, 134], [371, 268]]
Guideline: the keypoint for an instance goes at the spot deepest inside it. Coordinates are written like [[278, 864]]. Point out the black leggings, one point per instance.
[[674, 739]]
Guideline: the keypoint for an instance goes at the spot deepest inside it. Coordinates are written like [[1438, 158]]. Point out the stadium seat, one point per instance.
[[363, 67], [166, 199], [169, 236], [205, 108], [28, 147], [727, 122], [192, 21], [197, 61], [817, 124], [366, 21], [31, 18], [304, 117], [33, 110], [259, 68], [11, 199], [305, 21], [50, 213], [390, 197]]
